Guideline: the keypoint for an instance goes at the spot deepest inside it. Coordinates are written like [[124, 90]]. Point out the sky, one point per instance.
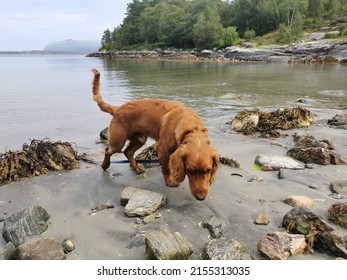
[[32, 24]]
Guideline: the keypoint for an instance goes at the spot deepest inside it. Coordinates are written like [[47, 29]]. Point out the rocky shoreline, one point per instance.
[[320, 51], [295, 209]]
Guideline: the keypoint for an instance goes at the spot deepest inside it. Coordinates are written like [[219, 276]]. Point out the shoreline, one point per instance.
[[321, 51]]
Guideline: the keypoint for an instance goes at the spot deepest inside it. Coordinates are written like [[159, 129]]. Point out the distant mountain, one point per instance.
[[77, 46]]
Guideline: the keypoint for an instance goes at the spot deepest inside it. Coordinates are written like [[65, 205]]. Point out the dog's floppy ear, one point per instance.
[[177, 166], [215, 159]]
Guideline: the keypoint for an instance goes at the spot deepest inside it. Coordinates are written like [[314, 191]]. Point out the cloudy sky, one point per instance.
[[32, 24]]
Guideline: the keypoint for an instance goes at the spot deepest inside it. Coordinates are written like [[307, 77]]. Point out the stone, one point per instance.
[[68, 246], [281, 245], [28, 222], [164, 245], [339, 187], [262, 218], [47, 248], [331, 243], [319, 235], [104, 134], [300, 201], [214, 225], [126, 194], [275, 162], [337, 213], [302, 221], [224, 249], [316, 155], [9, 251], [143, 203]]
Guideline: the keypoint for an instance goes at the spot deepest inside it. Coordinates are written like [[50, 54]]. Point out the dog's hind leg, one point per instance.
[[136, 142]]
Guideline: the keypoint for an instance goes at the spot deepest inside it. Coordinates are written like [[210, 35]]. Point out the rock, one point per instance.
[[46, 248], [228, 161], [142, 203], [337, 213], [276, 162], [36, 159], [300, 201], [28, 222], [68, 246], [309, 141], [262, 218], [104, 134], [316, 155], [331, 243], [249, 121], [103, 206], [224, 249], [339, 121], [9, 251], [281, 245], [311, 151], [339, 187], [319, 235], [126, 194], [303, 221], [214, 225], [164, 245], [246, 122], [150, 218]]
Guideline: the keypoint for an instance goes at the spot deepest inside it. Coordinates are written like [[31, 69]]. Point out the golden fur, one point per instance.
[[182, 139]]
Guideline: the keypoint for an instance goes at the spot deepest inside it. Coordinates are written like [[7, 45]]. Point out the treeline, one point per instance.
[[216, 23]]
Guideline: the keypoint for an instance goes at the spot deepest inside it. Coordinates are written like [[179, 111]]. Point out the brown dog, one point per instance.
[[182, 140]]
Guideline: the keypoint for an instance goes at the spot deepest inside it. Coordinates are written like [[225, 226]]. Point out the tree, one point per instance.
[[207, 31], [106, 40], [230, 36]]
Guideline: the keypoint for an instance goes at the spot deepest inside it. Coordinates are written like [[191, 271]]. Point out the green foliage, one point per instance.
[[249, 34], [230, 36], [213, 23]]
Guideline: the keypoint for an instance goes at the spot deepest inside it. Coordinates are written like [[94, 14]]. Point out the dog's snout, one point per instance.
[[200, 196]]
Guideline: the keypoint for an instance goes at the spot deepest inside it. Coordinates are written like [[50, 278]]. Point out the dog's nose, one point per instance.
[[200, 196]]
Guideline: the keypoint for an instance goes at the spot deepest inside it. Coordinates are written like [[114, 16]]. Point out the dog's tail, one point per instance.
[[105, 107]]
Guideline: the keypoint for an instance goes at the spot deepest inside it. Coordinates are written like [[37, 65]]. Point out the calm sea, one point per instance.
[[50, 96]]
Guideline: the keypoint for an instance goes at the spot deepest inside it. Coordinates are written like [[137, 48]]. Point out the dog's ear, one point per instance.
[[215, 160], [177, 166]]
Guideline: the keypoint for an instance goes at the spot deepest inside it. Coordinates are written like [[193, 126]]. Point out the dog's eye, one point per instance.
[[191, 171], [208, 170]]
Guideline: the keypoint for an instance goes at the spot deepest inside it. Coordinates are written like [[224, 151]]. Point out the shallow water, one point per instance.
[[50, 96]]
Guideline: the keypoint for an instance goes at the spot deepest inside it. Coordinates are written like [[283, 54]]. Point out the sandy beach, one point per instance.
[[69, 197]]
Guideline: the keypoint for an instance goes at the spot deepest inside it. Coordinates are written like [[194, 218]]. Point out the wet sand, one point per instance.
[[69, 197]]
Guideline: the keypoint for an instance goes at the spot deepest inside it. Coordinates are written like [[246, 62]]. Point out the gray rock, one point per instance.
[[281, 245], [224, 249], [28, 222], [339, 187], [40, 248], [276, 162], [9, 251], [164, 245], [143, 203]]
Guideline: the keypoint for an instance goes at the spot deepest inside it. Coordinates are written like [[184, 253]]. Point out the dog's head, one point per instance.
[[197, 159]]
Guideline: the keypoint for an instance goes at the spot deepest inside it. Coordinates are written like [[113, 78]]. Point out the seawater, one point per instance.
[[51, 96]]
